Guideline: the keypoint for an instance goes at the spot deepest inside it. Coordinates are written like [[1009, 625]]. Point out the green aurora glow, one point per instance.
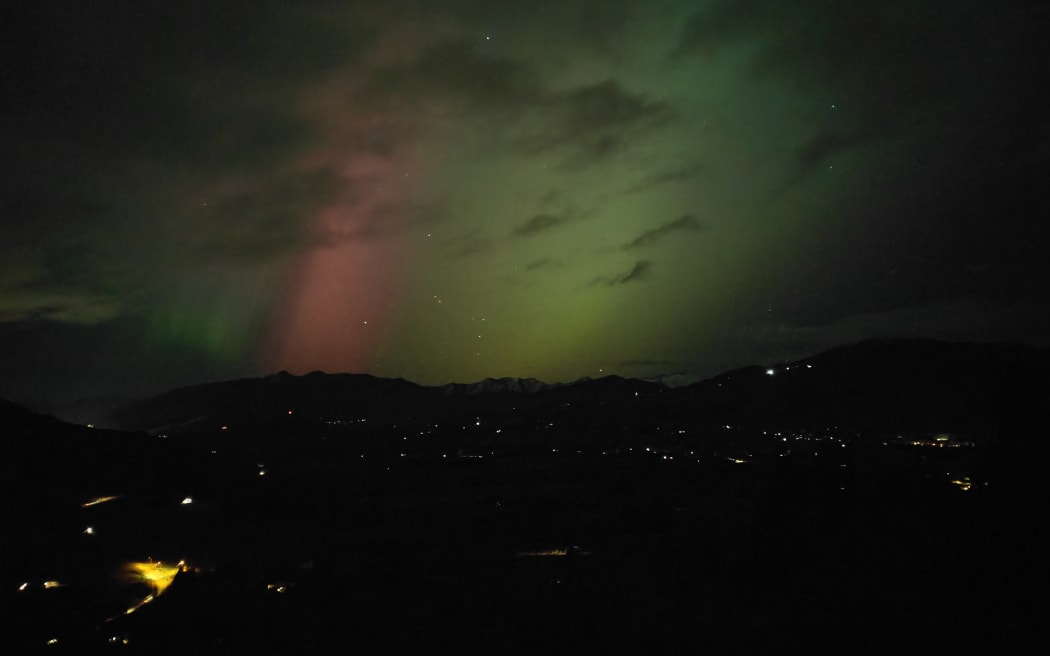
[[452, 190]]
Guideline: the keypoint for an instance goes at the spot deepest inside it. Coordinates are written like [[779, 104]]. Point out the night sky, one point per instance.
[[445, 191]]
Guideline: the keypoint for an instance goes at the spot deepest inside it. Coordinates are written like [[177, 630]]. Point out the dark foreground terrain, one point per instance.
[[603, 517]]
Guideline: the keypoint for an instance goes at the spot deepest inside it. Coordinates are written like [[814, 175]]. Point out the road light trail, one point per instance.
[[98, 500]]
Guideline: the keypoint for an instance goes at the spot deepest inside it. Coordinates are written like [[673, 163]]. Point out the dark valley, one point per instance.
[[876, 497]]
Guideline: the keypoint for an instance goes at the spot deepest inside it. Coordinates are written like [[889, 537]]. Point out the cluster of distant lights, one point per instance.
[[159, 576], [772, 372], [664, 454], [556, 552], [156, 575], [940, 441]]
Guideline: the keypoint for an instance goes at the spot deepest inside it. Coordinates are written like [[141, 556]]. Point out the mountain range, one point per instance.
[[874, 387]]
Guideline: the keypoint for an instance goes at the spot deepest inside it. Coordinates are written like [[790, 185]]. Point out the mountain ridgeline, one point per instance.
[[877, 387]]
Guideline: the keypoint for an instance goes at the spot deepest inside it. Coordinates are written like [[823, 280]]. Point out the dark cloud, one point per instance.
[[256, 222], [640, 271], [826, 145], [592, 122], [455, 76], [951, 90], [459, 78], [544, 263], [550, 198], [664, 177], [934, 79], [152, 138], [205, 84], [684, 222], [74, 306], [381, 221], [814, 154], [894, 63], [872, 42], [538, 224], [606, 107], [471, 244]]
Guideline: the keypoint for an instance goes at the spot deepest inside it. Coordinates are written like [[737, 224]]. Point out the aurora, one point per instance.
[[449, 191]]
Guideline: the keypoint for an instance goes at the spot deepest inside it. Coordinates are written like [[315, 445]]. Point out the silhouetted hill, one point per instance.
[[255, 399], [339, 396], [18, 420], [879, 385], [46, 458], [80, 411]]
